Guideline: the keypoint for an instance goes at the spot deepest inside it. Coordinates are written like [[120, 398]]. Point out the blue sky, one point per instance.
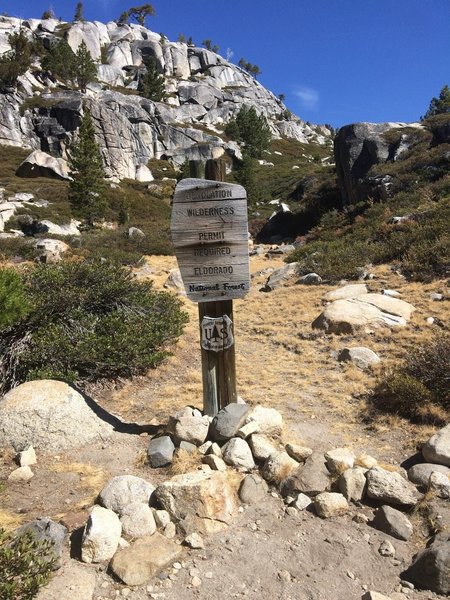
[[336, 61]]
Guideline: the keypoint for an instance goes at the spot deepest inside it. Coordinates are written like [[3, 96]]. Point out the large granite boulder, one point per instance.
[[202, 501], [367, 310], [357, 147], [47, 414], [40, 164]]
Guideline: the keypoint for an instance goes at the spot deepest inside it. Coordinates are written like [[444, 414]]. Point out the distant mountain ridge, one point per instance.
[[204, 92]]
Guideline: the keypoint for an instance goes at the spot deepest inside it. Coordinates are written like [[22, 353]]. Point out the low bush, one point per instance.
[[25, 565], [13, 302], [88, 320], [419, 389]]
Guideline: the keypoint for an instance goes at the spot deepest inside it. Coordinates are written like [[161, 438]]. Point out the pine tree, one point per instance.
[[48, 14], [252, 129], [152, 84], [79, 12], [87, 192], [140, 13], [61, 61], [86, 70], [15, 62], [439, 105], [124, 18]]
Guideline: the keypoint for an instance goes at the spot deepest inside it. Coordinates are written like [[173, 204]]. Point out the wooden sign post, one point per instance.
[[210, 235]]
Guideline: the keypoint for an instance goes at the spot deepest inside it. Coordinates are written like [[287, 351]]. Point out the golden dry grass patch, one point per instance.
[[10, 521], [91, 478]]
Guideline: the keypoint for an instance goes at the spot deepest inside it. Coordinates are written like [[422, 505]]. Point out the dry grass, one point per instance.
[[10, 521], [184, 462]]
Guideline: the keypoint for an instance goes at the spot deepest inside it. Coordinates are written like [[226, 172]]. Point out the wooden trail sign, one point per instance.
[[210, 234]]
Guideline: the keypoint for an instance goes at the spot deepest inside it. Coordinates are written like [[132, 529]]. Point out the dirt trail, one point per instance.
[[281, 363]]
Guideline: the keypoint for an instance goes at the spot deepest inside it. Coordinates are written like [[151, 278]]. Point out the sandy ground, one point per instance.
[[281, 363]]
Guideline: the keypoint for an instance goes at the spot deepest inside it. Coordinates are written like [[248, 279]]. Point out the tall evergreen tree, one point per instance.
[[87, 191], [61, 61], [86, 70], [124, 18], [15, 62], [252, 129], [439, 105], [79, 12], [152, 84]]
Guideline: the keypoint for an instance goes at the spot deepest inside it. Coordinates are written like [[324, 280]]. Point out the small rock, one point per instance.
[[352, 484], [285, 576], [237, 453], [144, 559], [392, 293], [390, 487], [386, 548], [361, 357], [393, 522], [439, 483], [298, 453], [27, 457], [261, 446], [122, 490], [420, 473], [339, 460], [228, 421], [311, 478], [137, 520], [189, 427], [135, 232], [374, 596], [310, 279], [269, 420], [44, 529], [437, 448], [188, 447], [330, 504], [302, 502], [215, 449], [430, 568], [278, 466], [203, 449], [22, 474], [196, 581], [162, 517], [101, 535], [194, 541], [215, 462], [437, 297], [170, 531], [160, 451], [248, 430], [253, 489]]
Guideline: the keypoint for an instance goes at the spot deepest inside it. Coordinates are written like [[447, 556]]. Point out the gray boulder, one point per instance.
[[40, 164], [357, 148], [361, 357], [160, 451], [352, 484], [281, 277], [430, 568], [237, 453], [137, 520], [420, 473], [390, 487], [123, 490], [253, 489], [393, 522], [101, 535], [437, 448], [312, 478], [228, 421], [46, 530], [47, 414]]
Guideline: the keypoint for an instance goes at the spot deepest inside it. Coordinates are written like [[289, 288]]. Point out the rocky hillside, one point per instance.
[[203, 92]]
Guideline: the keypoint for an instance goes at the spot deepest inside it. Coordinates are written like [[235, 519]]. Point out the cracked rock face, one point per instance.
[[203, 90]]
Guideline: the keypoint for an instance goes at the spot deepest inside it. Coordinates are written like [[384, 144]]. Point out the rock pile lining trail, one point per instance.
[[270, 549]]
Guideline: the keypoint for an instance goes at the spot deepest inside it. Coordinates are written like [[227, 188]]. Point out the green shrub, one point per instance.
[[25, 565], [13, 302], [90, 320], [419, 389]]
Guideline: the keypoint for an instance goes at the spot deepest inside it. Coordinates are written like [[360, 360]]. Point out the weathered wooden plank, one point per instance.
[[201, 190]]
